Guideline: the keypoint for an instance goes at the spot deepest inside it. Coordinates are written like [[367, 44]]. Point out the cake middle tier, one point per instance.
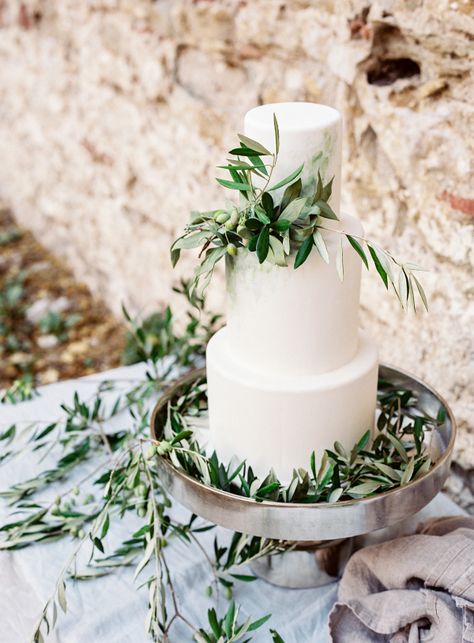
[[275, 421], [297, 322]]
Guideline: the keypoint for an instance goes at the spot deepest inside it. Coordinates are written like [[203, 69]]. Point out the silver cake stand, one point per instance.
[[319, 536]]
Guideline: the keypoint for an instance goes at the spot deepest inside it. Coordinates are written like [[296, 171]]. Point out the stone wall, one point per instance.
[[113, 114]]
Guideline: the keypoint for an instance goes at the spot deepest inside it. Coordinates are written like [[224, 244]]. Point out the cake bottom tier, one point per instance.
[[276, 421]]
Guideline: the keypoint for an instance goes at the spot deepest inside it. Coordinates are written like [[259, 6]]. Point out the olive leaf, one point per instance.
[[291, 193], [403, 286], [336, 494], [326, 191], [293, 210], [289, 179], [408, 473], [276, 638], [358, 248], [62, 595], [235, 185], [326, 211], [175, 255], [262, 216], [364, 489], [253, 145], [267, 203], [278, 252], [378, 266], [191, 241], [212, 257], [246, 151], [421, 292], [319, 189], [303, 252], [277, 134], [282, 225], [263, 244], [321, 245]]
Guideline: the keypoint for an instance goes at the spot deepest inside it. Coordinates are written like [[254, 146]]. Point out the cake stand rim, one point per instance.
[[187, 479]]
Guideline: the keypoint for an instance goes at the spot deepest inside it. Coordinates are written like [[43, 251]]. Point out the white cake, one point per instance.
[[292, 372]]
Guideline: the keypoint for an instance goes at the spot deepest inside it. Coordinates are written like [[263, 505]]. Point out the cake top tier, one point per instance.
[[309, 133], [292, 116]]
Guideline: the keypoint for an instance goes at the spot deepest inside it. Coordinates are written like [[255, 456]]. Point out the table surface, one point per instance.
[[110, 608]]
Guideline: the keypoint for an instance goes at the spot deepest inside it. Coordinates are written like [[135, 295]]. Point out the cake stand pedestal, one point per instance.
[[319, 536]]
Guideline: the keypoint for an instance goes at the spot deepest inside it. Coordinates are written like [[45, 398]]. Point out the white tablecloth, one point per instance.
[[110, 609]]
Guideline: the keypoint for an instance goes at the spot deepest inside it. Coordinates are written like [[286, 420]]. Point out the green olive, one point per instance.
[[163, 447], [233, 221], [223, 217], [244, 232]]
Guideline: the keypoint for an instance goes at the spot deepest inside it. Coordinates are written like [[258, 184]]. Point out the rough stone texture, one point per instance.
[[113, 114]]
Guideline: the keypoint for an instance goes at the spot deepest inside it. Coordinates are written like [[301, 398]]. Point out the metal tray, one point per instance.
[[317, 521]]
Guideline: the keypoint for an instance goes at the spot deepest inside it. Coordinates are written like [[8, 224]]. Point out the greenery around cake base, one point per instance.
[[397, 454]]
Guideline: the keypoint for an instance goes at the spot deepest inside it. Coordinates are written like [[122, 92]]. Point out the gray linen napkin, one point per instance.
[[415, 588]]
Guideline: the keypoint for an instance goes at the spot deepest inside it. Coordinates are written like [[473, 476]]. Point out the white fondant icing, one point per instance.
[[277, 420], [291, 373], [309, 134], [298, 322]]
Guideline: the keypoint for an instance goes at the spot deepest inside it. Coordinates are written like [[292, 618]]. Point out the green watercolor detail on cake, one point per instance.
[[244, 271], [319, 162]]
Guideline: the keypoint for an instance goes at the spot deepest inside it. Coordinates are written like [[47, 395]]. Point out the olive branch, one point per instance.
[[112, 474], [277, 229]]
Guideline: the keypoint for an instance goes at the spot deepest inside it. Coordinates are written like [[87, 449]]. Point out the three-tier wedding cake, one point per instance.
[[292, 372]]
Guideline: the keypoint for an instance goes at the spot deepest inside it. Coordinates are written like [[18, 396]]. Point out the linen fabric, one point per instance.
[[411, 589]]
